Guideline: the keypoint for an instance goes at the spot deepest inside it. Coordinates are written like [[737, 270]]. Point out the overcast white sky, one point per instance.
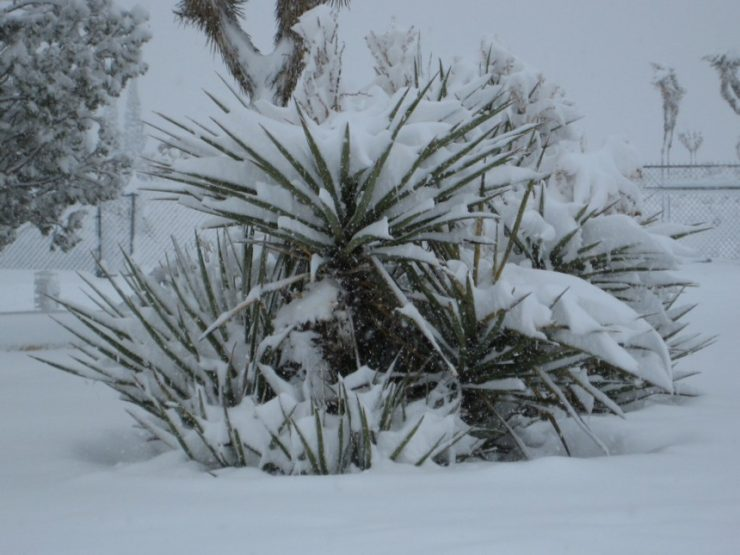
[[599, 51]]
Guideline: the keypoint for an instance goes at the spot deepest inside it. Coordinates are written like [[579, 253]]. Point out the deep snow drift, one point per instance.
[[76, 478]]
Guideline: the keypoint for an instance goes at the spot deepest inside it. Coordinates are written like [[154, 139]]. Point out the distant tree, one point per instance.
[[61, 64], [666, 82], [692, 140], [273, 76], [737, 148], [728, 65]]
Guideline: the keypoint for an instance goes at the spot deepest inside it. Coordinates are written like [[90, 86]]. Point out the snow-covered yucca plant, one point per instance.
[[418, 277], [216, 395]]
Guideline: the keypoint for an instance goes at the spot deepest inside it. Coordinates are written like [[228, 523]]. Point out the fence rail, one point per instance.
[[695, 176]]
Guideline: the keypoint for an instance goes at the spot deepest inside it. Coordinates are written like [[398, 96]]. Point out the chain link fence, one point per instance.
[[707, 195], [701, 177], [142, 226], [137, 224]]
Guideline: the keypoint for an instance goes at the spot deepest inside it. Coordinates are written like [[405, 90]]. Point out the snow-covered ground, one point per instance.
[[22, 327], [76, 478]]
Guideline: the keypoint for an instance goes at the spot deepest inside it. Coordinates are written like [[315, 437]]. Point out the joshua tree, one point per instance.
[[666, 82], [727, 65], [692, 140], [260, 75]]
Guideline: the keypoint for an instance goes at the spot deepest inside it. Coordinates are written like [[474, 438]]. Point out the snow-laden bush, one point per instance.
[[418, 277], [590, 218]]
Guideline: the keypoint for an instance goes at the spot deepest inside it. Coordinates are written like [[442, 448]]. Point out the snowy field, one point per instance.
[[76, 478]]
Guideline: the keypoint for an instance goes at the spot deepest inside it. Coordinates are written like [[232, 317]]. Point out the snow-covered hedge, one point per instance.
[[417, 274]]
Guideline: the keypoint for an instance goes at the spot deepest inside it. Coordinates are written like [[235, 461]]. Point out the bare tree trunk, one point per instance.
[[288, 12], [666, 82]]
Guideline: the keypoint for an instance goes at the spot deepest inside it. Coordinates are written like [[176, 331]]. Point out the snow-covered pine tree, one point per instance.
[[418, 277], [61, 64]]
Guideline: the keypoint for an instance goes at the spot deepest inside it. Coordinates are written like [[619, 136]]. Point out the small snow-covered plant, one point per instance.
[[397, 55], [319, 90], [692, 141], [419, 277]]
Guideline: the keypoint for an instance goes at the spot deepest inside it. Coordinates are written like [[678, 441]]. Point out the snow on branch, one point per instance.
[[727, 65], [271, 76]]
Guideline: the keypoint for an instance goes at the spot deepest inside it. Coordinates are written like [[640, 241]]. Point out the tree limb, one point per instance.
[[728, 65], [258, 74]]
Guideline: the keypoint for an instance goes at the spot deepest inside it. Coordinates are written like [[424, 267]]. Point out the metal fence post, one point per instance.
[[99, 226], [668, 216], [663, 197], [132, 224]]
